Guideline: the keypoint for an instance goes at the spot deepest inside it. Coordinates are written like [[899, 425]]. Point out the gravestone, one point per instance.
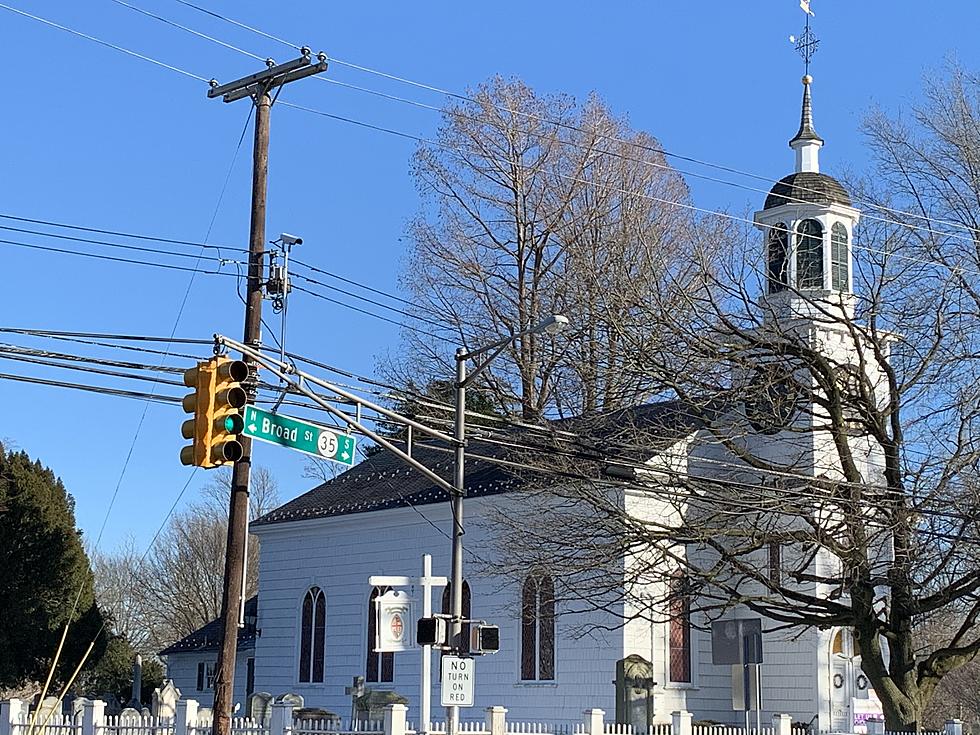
[[205, 714], [634, 693], [257, 707], [77, 708], [165, 700], [130, 713], [49, 707], [289, 698], [371, 705]]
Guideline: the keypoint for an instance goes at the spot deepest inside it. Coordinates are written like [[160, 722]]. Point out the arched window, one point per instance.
[[380, 667], [839, 277], [809, 255], [680, 630], [538, 629], [311, 639], [447, 607], [777, 257]]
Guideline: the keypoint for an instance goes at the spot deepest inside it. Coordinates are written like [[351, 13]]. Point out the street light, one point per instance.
[[552, 325]]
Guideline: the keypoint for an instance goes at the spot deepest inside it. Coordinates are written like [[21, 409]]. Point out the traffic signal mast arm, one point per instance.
[[289, 375]]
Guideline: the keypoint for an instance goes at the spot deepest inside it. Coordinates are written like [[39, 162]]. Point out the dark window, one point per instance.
[[778, 248], [776, 563], [312, 632], [380, 666], [680, 630], [538, 629], [249, 676], [200, 676], [840, 278], [809, 255], [447, 606]]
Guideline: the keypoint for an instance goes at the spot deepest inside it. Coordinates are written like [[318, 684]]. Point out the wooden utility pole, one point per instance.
[[259, 88]]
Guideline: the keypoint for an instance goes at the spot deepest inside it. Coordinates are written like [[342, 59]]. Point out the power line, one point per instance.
[[107, 44], [122, 246], [971, 232], [131, 235], [620, 190], [188, 30], [966, 238], [112, 258], [508, 441]]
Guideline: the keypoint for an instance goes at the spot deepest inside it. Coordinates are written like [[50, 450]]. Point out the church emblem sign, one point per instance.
[[393, 612]]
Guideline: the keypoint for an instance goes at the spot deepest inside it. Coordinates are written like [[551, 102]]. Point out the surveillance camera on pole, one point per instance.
[[286, 239]]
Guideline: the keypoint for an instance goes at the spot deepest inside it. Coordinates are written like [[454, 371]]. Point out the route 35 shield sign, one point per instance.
[[394, 621]]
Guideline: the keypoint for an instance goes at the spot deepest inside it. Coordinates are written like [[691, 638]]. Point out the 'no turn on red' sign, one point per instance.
[[457, 681]]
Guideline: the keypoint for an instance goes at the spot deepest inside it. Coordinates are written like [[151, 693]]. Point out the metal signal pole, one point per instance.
[[258, 87]]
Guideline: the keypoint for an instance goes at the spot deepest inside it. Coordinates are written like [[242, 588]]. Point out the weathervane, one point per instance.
[[806, 45]]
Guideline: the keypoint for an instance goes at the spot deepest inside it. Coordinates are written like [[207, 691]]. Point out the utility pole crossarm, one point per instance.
[[274, 76]]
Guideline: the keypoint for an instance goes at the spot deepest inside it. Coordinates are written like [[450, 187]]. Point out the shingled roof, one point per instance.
[[384, 481], [809, 187], [208, 638]]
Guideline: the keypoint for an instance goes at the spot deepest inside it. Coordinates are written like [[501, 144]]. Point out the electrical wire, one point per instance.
[[619, 190], [130, 235], [187, 29], [607, 457], [112, 258], [968, 237], [105, 243], [107, 44], [965, 238]]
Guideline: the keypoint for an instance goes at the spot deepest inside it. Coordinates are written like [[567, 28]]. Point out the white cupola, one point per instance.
[[808, 226]]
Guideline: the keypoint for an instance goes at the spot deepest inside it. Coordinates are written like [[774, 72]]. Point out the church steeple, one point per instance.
[[808, 224], [807, 143]]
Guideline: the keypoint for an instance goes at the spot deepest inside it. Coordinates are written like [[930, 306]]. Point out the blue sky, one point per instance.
[[97, 138]]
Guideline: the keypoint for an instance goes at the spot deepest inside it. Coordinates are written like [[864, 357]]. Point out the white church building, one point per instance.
[[313, 628]]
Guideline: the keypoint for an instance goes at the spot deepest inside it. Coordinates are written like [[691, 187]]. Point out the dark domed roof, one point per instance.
[[808, 187]]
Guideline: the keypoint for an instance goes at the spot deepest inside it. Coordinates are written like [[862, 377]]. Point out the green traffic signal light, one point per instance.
[[234, 424]]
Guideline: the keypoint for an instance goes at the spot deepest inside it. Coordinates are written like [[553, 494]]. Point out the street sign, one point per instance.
[[300, 435], [457, 681]]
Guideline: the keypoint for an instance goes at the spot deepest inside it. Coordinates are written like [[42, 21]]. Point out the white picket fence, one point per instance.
[[336, 727], [91, 719], [728, 730]]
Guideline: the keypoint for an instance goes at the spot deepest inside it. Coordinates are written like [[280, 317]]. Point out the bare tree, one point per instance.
[[176, 588], [119, 594], [840, 430], [534, 205]]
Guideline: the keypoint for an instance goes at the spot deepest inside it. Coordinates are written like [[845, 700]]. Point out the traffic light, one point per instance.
[[216, 404]]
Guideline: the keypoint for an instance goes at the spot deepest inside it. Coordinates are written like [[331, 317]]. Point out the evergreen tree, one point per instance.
[[43, 567]]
